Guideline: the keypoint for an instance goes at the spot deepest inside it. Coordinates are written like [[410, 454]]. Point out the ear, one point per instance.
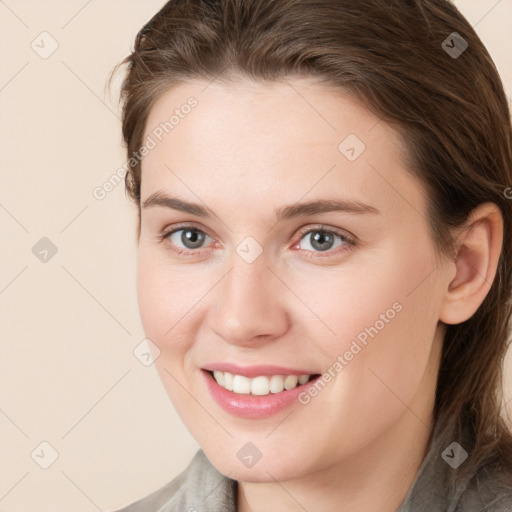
[[477, 251]]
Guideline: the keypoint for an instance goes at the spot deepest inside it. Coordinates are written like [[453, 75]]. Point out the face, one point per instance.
[[251, 282]]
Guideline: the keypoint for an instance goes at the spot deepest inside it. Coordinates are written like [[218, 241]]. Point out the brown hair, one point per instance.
[[450, 110]]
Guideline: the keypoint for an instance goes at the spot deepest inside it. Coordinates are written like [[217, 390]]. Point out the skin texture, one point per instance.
[[245, 150]]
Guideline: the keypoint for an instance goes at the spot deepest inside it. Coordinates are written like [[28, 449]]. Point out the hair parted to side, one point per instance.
[[451, 113]]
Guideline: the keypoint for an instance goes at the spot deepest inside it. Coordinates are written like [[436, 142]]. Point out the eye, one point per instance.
[[186, 239], [323, 240]]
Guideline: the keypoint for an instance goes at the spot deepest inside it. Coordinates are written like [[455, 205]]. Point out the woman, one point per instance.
[[324, 248]]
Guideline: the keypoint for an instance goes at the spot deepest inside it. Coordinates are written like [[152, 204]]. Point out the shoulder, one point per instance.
[[440, 485], [490, 490], [199, 487]]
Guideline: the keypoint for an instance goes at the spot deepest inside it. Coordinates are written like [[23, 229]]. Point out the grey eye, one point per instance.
[[322, 240], [190, 238]]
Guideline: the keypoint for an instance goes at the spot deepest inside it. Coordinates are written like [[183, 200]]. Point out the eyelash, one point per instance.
[[349, 243]]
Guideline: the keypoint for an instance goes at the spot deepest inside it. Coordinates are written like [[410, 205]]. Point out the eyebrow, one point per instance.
[[159, 198]]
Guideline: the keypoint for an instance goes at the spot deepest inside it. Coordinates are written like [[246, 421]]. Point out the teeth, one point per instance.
[[219, 377], [258, 385], [291, 382], [241, 384], [303, 379], [228, 381], [276, 383]]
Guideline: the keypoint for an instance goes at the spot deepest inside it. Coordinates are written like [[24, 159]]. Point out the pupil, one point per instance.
[[191, 238], [320, 239]]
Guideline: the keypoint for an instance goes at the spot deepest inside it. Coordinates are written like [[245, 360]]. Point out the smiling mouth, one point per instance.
[[261, 385]]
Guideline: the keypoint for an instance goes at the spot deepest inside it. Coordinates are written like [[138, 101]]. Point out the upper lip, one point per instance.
[[257, 370]]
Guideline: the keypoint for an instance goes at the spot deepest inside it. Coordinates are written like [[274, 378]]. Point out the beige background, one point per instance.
[[68, 374]]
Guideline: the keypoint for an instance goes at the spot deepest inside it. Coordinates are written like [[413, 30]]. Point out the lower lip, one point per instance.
[[253, 406]]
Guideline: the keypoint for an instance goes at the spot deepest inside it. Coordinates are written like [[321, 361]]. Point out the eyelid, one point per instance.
[[323, 227], [349, 242], [166, 232], [177, 227]]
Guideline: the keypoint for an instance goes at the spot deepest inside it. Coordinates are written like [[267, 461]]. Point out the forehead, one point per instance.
[[257, 142]]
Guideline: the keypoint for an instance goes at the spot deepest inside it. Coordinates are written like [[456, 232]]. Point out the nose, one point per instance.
[[250, 308]]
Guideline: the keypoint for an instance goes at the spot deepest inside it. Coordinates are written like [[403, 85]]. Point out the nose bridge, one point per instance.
[[249, 303]]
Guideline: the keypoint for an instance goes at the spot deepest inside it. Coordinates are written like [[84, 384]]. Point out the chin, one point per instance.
[[263, 471]]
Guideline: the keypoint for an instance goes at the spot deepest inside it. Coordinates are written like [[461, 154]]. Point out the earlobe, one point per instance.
[[478, 250]]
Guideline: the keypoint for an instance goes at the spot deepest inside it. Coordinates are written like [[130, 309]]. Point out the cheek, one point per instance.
[[165, 299], [382, 316], [366, 298], [385, 319], [164, 306]]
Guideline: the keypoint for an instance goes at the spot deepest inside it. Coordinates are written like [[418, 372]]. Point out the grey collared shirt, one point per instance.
[[202, 488]]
